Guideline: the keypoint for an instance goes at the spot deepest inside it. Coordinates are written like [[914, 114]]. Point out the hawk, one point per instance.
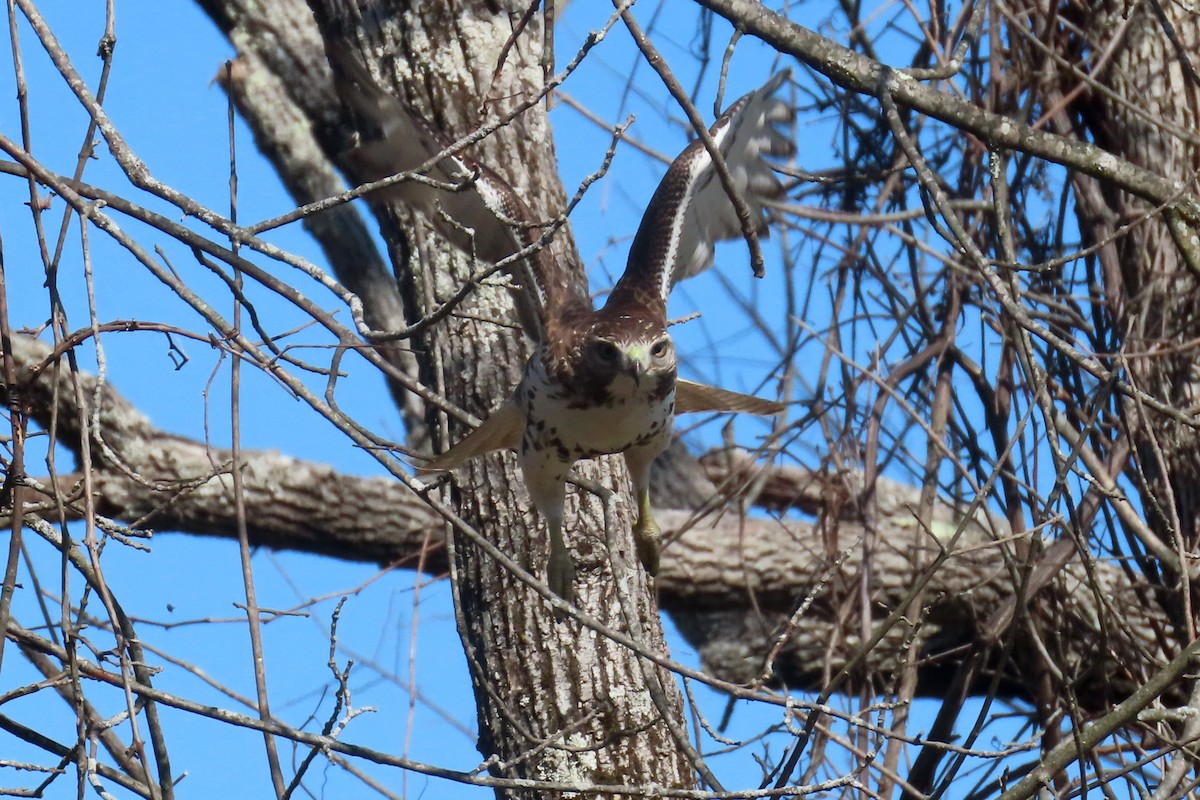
[[600, 381]]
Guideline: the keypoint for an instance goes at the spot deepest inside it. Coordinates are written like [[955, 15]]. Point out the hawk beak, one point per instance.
[[637, 362]]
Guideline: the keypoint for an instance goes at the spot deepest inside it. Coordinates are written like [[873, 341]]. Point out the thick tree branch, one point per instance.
[[150, 478], [283, 89], [732, 584]]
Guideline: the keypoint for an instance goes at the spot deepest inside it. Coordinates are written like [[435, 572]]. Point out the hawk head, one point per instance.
[[612, 358], [630, 367]]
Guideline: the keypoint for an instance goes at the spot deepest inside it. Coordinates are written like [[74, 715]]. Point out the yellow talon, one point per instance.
[[647, 535]]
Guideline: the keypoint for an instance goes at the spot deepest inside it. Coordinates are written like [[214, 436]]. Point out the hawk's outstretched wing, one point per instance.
[[500, 431], [691, 397], [690, 209], [468, 203], [503, 428]]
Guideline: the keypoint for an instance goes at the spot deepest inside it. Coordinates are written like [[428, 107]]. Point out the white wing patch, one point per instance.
[[691, 210], [747, 135], [684, 245]]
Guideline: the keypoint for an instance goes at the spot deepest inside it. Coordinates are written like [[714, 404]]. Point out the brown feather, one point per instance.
[[484, 218], [693, 397], [500, 431], [690, 209]]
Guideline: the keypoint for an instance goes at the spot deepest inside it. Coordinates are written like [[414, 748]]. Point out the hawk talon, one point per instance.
[[560, 573], [646, 533], [648, 538]]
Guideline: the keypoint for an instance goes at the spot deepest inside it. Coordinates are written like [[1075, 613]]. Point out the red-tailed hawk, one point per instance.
[[601, 380]]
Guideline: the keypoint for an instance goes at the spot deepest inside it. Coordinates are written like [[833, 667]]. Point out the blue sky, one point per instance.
[[163, 99]]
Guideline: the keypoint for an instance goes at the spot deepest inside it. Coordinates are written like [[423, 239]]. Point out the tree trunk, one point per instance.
[[1150, 118], [570, 701], [1149, 115], [558, 700]]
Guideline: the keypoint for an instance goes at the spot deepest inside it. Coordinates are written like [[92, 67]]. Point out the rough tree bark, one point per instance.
[[281, 39], [557, 701], [1148, 116]]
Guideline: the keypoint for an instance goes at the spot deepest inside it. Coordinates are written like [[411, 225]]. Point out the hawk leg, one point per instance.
[[560, 569], [546, 481], [647, 536]]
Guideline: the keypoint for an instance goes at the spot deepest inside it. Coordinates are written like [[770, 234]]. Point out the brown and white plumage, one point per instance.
[[469, 205], [601, 380], [690, 209]]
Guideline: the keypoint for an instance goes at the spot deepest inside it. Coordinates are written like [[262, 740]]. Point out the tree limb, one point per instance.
[[731, 583]]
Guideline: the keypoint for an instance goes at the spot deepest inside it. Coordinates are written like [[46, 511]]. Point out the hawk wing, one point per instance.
[[469, 204], [500, 431], [503, 428], [690, 210], [699, 397]]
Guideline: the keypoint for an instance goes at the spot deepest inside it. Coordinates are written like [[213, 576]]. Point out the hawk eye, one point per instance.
[[607, 351], [661, 348]]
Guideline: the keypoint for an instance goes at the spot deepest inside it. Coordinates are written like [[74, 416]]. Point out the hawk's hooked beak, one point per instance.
[[637, 362]]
